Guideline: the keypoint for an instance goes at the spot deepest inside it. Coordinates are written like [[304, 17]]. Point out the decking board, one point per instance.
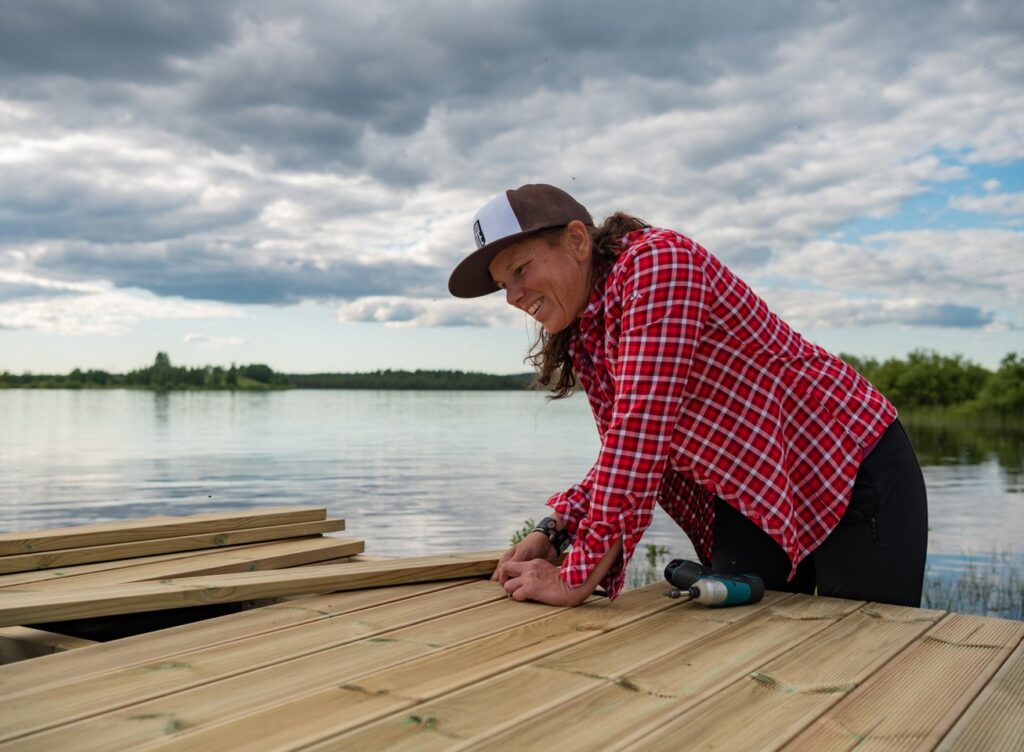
[[53, 539], [665, 672], [766, 706], [271, 555], [132, 549], [72, 700], [167, 644], [455, 664], [995, 720], [913, 700]]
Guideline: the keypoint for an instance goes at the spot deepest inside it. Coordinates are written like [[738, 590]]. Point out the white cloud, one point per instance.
[[1003, 204], [407, 312], [108, 311], [275, 156], [968, 277]]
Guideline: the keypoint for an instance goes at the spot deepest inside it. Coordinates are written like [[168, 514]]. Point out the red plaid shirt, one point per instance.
[[699, 390]]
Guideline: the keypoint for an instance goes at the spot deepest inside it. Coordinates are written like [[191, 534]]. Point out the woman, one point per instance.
[[774, 456]]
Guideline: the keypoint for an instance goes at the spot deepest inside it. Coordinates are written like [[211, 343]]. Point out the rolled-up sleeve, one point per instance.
[[663, 295]]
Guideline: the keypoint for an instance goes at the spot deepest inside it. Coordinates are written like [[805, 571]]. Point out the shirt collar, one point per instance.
[[596, 296]]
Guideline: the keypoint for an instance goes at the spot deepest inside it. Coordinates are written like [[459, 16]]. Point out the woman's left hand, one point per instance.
[[539, 580]]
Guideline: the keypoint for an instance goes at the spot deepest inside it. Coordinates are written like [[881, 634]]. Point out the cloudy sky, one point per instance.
[[290, 183]]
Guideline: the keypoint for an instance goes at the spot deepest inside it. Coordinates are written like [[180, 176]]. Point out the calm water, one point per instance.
[[413, 473]]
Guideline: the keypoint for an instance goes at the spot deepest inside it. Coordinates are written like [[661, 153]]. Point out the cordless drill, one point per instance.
[[703, 585]]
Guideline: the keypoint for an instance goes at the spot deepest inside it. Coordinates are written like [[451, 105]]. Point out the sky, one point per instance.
[[292, 183]]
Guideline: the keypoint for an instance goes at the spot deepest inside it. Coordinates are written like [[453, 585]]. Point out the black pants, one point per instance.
[[876, 553]]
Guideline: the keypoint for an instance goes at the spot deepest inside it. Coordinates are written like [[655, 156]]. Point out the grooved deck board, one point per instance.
[[766, 706], [995, 720], [639, 673], [914, 699], [221, 631], [344, 705], [36, 607], [447, 661], [116, 551], [53, 539], [61, 704], [266, 556]]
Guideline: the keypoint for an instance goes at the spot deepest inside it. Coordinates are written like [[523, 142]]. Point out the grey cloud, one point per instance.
[[946, 315], [111, 39], [231, 275], [457, 99]]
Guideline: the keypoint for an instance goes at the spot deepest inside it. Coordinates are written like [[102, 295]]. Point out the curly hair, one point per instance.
[[549, 354]]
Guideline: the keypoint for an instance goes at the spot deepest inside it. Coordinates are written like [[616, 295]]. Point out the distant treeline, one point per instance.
[[924, 379], [163, 376]]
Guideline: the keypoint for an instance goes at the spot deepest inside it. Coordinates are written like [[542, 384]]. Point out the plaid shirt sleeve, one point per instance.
[[662, 298]]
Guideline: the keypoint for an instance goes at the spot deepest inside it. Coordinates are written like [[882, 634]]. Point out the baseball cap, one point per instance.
[[506, 218]]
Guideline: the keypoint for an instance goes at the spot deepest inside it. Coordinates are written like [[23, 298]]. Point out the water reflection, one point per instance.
[[413, 472], [946, 443]]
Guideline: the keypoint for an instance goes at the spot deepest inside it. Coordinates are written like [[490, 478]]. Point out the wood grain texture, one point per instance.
[[251, 558], [914, 699], [115, 551], [285, 660], [547, 687], [995, 720], [767, 705], [19, 607], [219, 632], [457, 651], [664, 672], [53, 539]]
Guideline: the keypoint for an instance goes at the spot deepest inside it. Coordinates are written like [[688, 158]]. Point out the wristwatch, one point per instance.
[[558, 538]]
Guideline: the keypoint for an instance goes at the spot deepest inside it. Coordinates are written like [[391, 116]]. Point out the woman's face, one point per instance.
[[550, 283]]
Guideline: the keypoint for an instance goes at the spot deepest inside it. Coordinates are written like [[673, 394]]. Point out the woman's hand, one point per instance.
[[539, 580], [533, 546]]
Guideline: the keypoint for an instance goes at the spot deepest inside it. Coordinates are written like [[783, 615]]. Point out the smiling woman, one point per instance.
[[773, 456]]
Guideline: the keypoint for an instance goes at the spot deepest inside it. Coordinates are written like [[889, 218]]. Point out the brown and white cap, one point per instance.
[[505, 219]]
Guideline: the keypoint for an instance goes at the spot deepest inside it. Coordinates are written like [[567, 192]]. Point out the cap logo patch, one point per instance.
[[478, 233]]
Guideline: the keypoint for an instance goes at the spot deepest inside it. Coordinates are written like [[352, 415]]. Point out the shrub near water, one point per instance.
[[926, 379]]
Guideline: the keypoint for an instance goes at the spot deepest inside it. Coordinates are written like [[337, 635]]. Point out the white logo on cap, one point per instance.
[[478, 233]]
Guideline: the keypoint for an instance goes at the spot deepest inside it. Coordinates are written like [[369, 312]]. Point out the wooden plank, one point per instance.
[[260, 557], [768, 705], [20, 607], [914, 700], [19, 579], [167, 644], [72, 556], [446, 644], [53, 539], [22, 643], [648, 680], [995, 720], [556, 686], [317, 642]]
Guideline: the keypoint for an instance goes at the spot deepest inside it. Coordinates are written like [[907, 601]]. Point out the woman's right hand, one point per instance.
[[533, 546]]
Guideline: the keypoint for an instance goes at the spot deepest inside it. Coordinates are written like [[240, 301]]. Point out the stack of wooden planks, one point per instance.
[[92, 562]]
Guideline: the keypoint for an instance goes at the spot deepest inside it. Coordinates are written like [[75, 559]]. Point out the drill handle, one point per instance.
[[681, 573]]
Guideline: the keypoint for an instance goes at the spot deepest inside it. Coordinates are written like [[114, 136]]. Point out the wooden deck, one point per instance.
[[456, 664]]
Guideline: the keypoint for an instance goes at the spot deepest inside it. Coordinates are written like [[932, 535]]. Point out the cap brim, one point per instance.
[[472, 278]]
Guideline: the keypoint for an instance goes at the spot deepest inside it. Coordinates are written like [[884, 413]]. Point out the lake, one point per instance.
[[413, 473]]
